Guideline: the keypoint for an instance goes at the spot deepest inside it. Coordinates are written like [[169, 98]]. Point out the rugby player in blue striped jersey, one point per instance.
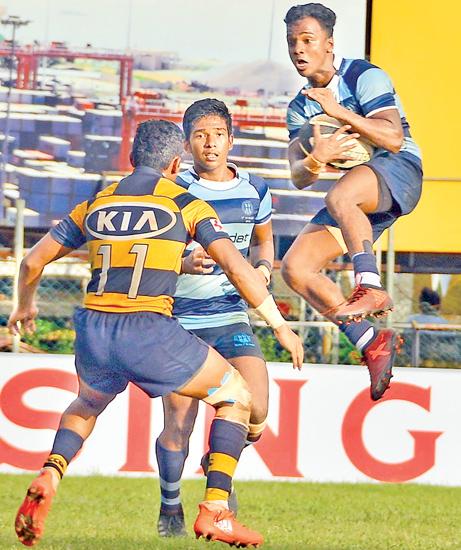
[[206, 302], [363, 202]]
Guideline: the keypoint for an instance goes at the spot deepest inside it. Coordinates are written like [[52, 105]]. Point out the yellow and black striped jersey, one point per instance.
[[136, 231]]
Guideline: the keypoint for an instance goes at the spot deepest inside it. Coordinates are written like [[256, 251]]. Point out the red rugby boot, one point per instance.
[[221, 525], [364, 301], [379, 358], [30, 519]]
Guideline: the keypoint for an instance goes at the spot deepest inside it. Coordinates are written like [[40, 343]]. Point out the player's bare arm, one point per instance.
[[305, 169], [44, 252], [384, 129], [262, 250], [252, 289]]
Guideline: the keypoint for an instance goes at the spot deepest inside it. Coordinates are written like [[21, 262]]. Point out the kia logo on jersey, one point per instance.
[[123, 221]]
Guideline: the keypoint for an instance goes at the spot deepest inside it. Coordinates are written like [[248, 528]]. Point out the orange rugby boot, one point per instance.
[[364, 301], [379, 358], [221, 525], [30, 519]]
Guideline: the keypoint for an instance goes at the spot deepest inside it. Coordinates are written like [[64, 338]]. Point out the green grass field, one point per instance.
[[120, 513]]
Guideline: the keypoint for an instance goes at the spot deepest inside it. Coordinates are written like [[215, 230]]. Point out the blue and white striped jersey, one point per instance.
[[359, 86], [203, 301]]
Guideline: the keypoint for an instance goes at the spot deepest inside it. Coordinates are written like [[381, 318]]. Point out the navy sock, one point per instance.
[[366, 269], [170, 467], [67, 443], [360, 334]]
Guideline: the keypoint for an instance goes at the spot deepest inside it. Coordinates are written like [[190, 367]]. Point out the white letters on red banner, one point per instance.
[[322, 425]]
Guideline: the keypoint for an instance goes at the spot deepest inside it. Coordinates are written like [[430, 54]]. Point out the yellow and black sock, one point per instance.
[[226, 443], [58, 462]]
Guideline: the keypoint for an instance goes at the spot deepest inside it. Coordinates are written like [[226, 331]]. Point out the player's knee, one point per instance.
[[232, 400], [88, 405], [336, 201], [290, 272], [259, 408], [339, 200], [296, 274], [285, 271]]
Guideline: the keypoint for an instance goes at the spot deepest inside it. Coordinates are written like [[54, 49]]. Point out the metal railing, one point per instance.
[[429, 345]]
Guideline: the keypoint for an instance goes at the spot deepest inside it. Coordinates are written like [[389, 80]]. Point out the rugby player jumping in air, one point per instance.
[[362, 203]]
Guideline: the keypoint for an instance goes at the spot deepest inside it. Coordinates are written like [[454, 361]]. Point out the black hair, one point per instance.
[[429, 296], [325, 16], [156, 143], [205, 107]]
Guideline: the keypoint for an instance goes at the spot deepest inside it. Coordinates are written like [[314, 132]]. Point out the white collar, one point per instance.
[[337, 60], [218, 185], [333, 84]]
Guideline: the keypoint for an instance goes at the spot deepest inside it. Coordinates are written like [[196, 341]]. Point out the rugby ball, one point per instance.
[[360, 153]]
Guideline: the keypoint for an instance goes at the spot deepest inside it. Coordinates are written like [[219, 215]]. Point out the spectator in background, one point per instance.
[[429, 304]]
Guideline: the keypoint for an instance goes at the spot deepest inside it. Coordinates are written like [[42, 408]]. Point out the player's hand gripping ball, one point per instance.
[[361, 151]]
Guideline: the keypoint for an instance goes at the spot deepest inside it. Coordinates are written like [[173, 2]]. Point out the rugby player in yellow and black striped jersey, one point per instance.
[[136, 232]]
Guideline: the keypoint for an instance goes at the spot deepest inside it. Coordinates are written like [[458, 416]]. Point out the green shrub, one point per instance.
[[51, 337]]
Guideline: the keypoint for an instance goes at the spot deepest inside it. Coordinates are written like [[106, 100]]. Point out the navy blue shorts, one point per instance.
[[230, 341], [402, 174], [148, 349]]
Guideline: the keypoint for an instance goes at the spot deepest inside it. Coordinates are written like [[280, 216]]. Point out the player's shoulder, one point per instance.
[[185, 181], [258, 183], [186, 178], [352, 70], [349, 65], [107, 191], [173, 190], [296, 113], [100, 195], [184, 200], [297, 103]]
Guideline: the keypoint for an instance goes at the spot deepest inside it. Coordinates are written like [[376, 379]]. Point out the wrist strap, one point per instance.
[[310, 162], [313, 165], [265, 272], [269, 311], [266, 268], [266, 263]]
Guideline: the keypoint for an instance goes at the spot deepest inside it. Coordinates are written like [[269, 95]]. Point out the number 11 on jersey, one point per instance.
[[139, 250]]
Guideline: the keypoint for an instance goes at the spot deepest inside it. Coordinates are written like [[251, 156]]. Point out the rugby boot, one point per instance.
[[220, 524], [379, 356], [232, 501], [364, 301], [171, 524], [30, 519]]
